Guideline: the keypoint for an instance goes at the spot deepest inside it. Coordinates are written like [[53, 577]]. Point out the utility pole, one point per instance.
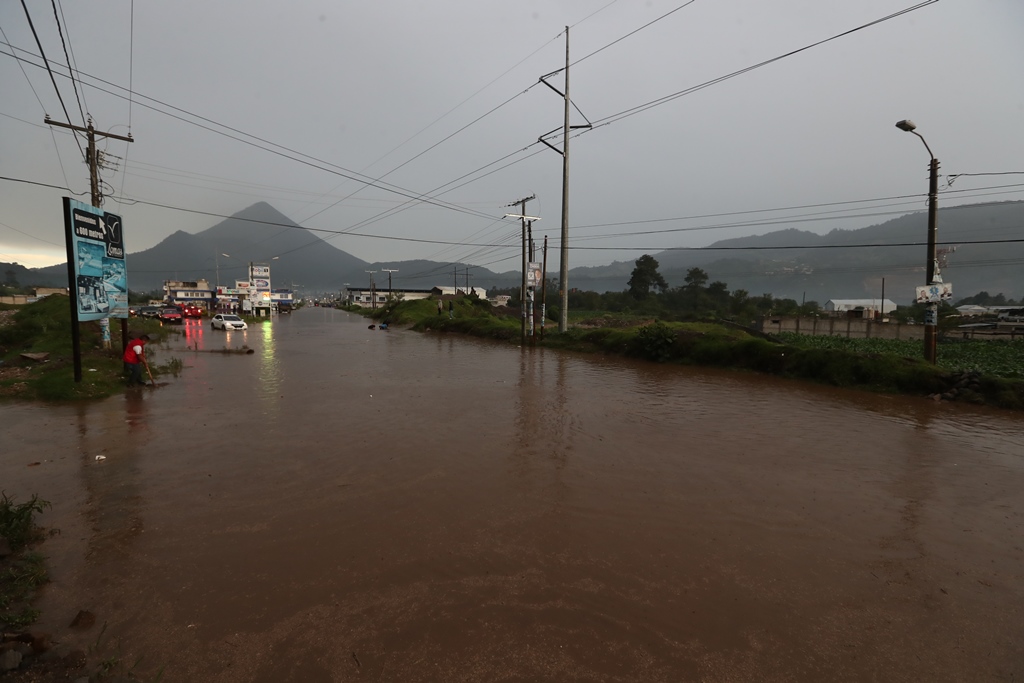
[[522, 287], [395, 270], [544, 290], [467, 279], [373, 294], [455, 279], [563, 269], [563, 319], [931, 314], [92, 159]]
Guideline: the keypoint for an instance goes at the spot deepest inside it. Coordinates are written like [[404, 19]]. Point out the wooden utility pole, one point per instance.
[[522, 287], [544, 290], [373, 293], [92, 159], [389, 271]]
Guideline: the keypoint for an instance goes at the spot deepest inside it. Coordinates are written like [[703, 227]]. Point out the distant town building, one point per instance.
[[861, 308], [196, 292], [366, 297]]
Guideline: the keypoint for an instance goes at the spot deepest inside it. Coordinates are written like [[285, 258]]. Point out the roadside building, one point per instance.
[[860, 308], [282, 299], [367, 298], [195, 292]]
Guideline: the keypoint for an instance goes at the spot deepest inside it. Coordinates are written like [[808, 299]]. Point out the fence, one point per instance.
[[851, 328]]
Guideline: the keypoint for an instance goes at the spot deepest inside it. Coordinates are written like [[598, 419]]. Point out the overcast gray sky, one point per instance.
[[443, 99]]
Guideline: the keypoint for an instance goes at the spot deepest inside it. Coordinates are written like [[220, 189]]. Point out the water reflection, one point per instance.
[[269, 369], [195, 334], [111, 439]]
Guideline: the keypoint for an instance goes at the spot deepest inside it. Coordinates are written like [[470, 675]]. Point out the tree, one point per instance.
[[696, 278], [645, 275]]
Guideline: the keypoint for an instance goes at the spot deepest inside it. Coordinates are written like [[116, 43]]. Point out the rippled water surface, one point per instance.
[[350, 504]]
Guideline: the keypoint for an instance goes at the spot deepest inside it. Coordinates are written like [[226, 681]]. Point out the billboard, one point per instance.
[[96, 261], [261, 271]]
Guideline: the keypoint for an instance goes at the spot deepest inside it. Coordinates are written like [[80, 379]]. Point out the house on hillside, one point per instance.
[[860, 308]]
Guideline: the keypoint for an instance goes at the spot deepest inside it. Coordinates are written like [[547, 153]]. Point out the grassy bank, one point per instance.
[[44, 327], [977, 372], [22, 572]]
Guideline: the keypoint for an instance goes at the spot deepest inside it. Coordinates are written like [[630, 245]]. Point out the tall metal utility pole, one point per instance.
[[467, 279], [395, 270], [563, 268], [92, 159], [563, 319]]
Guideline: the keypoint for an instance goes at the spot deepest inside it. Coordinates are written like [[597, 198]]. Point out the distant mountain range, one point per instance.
[[796, 264], [790, 263]]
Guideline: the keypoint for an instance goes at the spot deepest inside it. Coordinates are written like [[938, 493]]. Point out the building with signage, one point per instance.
[[197, 292]]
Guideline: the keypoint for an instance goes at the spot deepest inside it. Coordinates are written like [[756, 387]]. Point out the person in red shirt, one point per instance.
[[134, 358]]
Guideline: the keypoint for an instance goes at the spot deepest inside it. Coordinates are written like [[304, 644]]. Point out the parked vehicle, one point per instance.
[[149, 311], [171, 315], [227, 321]]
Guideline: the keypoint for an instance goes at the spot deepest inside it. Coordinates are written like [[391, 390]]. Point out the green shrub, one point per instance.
[[655, 342]]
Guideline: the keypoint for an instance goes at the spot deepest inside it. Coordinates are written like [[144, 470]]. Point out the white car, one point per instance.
[[226, 321]]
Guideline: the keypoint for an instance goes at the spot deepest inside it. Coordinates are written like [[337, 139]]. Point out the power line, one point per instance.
[[617, 40], [608, 120], [27, 234], [131, 81], [53, 79], [504, 245], [60, 32], [288, 153], [53, 135]]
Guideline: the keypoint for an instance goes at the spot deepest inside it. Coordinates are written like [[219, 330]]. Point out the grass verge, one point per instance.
[[44, 327], [21, 572]]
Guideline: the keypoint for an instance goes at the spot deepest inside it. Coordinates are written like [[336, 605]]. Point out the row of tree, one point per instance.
[[648, 294]]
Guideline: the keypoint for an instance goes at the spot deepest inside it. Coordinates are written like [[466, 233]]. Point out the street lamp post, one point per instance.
[[931, 316]]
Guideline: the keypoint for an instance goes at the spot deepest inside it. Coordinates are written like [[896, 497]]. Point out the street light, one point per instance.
[[931, 316]]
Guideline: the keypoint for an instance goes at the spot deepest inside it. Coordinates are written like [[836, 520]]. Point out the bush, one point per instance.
[[655, 342]]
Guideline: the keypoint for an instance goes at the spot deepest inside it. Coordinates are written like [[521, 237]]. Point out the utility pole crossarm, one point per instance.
[[88, 129]]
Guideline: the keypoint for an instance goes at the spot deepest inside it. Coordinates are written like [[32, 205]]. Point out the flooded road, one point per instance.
[[349, 504]]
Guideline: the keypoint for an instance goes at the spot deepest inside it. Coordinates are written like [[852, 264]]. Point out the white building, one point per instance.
[[366, 298], [861, 308], [189, 292]]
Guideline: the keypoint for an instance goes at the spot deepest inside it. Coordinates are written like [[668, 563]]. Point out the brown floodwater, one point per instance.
[[350, 504]]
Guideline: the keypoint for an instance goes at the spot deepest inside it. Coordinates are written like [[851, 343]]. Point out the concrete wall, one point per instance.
[[853, 328]]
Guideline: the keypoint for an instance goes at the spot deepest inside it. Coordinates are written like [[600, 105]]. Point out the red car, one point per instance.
[[171, 315], [191, 311]]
